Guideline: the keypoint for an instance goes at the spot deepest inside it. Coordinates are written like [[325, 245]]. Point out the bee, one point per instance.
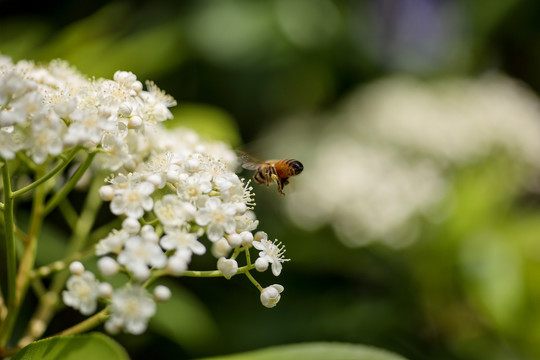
[[278, 171]]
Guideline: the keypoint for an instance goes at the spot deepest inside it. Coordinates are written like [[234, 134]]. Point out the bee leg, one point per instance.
[[281, 184]]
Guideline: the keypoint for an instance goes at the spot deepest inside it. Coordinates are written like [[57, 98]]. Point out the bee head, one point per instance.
[[297, 167]]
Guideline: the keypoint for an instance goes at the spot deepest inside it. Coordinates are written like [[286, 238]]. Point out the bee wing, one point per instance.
[[248, 162]]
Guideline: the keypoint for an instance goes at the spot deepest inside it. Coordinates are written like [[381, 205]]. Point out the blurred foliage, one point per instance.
[[87, 346], [314, 351], [468, 289]]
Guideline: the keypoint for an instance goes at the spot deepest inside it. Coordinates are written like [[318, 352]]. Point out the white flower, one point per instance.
[[178, 239], [172, 212], [270, 295], [113, 243], [229, 267], [246, 221], [131, 309], [272, 252], [194, 186], [138, 255], [45, 137], [11, 141], [218, 216], [132, 197], [82, 292], [87, 126], [178, 263]]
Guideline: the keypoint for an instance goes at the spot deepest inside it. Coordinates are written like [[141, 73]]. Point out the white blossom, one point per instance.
[[82, 292], [132, 196], [138, 255], [194, 186], [172, 212], [218, 216], [181, 239], [272, 252], [113, 243], [131, 309]]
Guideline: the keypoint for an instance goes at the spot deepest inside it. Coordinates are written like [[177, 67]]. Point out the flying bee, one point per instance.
[[278, 171]]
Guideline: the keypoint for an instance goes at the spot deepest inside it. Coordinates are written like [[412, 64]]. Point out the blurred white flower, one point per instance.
[[113, 243], [131, 309], [82, 292], [382, 162], [138, 255]]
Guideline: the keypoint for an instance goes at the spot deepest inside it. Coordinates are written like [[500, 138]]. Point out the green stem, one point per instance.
[[66, 189], [87, 324], [55, 171], [69, 213], [216, 273], [7, 325], [56, 266], [45, 310], [253, 281]]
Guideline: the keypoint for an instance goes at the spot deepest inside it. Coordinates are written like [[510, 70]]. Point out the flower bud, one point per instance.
[[162, 293], [105, 290], [108, 266], [235, 240], [76, 268], [270, 295], [125, 109], [260, 235], [261, 264], [247, 238], [131, 225], [221, 248], [228, 267], [106, 193], [135, 122]]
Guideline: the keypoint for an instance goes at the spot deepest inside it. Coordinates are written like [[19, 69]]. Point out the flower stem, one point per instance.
[[56, 170], [87, 324], [253, 281], [82, 228], [59, 196], [9, 240]]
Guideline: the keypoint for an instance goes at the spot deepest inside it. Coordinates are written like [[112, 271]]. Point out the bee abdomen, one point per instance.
[[294, 167]]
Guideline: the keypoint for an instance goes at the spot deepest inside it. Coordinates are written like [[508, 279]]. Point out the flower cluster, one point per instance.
[[382, 160], [177, 195]]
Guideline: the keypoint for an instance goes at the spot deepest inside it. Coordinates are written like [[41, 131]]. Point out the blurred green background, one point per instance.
[[266, 75]]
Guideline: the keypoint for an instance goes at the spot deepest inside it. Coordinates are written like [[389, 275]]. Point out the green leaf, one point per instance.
[[208, 121], [184, 320], [74, 347], [314, 351]]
